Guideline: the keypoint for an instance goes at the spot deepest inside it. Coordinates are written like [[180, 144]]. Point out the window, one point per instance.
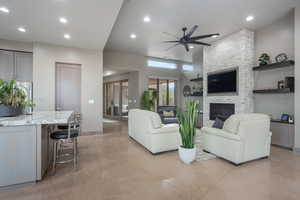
[[165, 65], [188, 68], [166, 91]]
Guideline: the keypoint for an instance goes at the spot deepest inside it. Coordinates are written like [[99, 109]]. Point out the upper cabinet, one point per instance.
[[16, 65], [23, 66], [6, 65]]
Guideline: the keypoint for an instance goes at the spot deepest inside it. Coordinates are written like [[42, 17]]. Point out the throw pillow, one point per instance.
[[218, 123], [168, 113]]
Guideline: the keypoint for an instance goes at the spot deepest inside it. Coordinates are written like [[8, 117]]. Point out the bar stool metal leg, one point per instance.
[[75, 152], [54, 156]]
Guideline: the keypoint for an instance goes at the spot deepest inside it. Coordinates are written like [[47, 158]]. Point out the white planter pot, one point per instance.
[[187, 155]]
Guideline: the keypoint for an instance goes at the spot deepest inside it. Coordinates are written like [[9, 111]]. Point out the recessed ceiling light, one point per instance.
[[4, 9], [63, 20], [147, 19], [249, 18], [21, 29], [133, 36], [67, 36], [191, 47]]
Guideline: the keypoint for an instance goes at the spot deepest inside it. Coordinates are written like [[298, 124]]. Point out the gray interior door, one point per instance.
[[68, 87]]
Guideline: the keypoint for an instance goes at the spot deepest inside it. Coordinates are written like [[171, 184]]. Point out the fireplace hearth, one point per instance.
[[221, 110]]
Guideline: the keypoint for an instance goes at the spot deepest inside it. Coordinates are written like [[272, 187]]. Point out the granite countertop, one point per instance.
[[37, 118]]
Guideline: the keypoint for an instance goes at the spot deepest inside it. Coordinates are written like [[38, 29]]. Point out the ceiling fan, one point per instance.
[[187, 38]]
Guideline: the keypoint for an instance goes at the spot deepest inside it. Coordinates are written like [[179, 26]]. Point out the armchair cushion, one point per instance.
[[156, 121], [220, 133], [232, 124]]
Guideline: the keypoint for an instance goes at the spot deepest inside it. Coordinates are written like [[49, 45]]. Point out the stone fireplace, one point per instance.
[[232, 52]]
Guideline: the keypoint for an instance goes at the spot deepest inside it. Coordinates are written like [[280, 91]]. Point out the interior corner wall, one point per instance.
[[274, 39], [234, 51], [297, 78], [44, 58]]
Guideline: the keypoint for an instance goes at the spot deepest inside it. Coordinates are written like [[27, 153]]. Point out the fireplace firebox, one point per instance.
[[221, 110]]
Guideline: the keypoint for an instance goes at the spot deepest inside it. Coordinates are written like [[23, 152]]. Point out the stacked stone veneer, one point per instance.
[[234, 51]]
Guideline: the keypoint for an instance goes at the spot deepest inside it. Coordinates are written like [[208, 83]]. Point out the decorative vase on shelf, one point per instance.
[[264, 59]]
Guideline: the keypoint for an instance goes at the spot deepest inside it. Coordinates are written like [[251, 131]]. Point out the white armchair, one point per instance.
[[244, 137], [147, 129]]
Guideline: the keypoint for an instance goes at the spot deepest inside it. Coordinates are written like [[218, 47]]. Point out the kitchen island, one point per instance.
[[25, 148]]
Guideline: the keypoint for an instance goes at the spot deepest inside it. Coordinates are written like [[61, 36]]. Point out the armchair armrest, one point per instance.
[[220, 133], [168, 128]]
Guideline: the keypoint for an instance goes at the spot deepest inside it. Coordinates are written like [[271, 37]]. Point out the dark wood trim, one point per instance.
[[280, 121], [273, 91], [197, 79], [288, 63]]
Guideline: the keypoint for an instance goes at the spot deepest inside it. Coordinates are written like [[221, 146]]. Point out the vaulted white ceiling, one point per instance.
[[90, 21], [223, 16]]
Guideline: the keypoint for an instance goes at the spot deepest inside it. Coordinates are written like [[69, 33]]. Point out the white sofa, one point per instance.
[[244, 137], [147, 129]]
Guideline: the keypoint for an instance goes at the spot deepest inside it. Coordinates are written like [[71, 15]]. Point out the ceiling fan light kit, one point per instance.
[[186, 40]]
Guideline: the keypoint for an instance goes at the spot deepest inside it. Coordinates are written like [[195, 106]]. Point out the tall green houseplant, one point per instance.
[[187, 124], [149, 99]]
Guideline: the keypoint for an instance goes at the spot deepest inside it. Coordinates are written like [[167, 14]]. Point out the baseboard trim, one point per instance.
[[297, 151]]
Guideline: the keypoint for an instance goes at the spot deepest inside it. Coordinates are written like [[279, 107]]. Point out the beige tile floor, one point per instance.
[[113, 167]]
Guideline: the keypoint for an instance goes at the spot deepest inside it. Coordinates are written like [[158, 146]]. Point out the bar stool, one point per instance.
[[77, 118], [60, 137]]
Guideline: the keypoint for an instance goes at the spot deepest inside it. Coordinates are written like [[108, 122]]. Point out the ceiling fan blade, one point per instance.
[[187, 47], [201, 43], [172, 41], [169, 34], [192, 31], [204, 36], [172, 47]]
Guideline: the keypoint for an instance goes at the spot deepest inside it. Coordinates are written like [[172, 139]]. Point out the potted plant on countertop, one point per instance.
[[13, 100], [187, 127]]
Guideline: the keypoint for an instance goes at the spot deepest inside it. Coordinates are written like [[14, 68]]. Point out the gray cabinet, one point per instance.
[[283, 134], [23, 66], [16, 65], [6, 65], [18, 155]]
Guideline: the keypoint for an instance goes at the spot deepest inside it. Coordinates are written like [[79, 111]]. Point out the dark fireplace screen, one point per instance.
[[221, 110]]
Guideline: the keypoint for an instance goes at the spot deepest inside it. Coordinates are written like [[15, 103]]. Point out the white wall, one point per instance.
[[44, 58], [114, 61], [297, 78], [274, 39]]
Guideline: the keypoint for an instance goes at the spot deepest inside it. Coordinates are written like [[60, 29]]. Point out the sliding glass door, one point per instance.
[[116, 98], [166, 91]]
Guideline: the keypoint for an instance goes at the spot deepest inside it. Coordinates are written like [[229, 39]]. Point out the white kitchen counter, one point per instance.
[[26, 149], [37, 118]]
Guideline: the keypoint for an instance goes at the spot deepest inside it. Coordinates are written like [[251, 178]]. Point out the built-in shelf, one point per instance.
[[197, 79], [280, 121], [273, 91], [288, 63]]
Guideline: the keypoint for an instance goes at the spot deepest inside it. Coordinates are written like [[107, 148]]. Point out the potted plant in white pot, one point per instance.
[[13, 100], [187, 128]]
